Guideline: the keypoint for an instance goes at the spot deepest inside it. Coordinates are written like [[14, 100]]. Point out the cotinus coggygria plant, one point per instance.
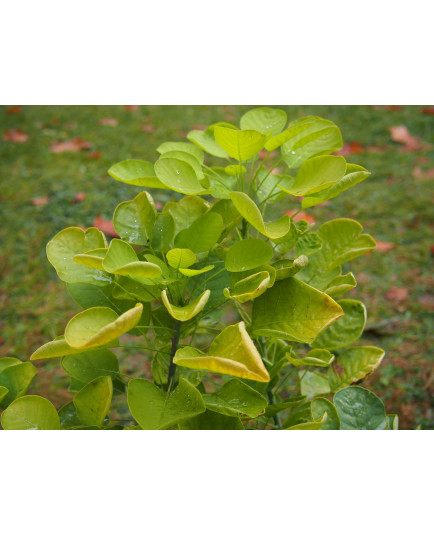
[[241, 314]]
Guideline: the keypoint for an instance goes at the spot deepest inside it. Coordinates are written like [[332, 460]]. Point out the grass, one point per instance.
[[392, 205]]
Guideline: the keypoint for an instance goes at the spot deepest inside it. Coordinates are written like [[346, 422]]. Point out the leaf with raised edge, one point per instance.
[[287, 268], [313, 384], [317, 174], [68, 417], [210, 420], [360, 409], [180, 258], [188, 272], [155, 409], [121, 259], [249, 288], [17, 379], [30, 413], [186, 211], [88, 366], [91, 259], [269, 187], [268, 121], [189, 159], [315, 358], [232, 352], [134, 220], [164, 231], [341, 284], [236, 277], [248, 254], [178, 176], [353, 175], [236, 399], [313, 425], [8, 362], [251, 213], [305, 138], [3, 392], [205, 140], [202, 235], [293, 311], [346, 330], [354, 365], [99, 326], [321, 406], [73, 241], [188, 311], [182, 146], [92, 403], [137, 173], [239, 144], [57, 348], [393, 422]]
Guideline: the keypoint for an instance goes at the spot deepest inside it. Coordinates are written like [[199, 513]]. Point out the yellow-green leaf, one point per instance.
[[30, 413], [136, 172], [93, 401], [239, 144], [249, 288], [354, 366], [188, 311], [180, 258]]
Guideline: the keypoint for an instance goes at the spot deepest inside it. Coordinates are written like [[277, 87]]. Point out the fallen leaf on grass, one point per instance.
[[13, 110], [15, 135], [428, 111], [387, 107], [384, 247], [108, 122], [79, 197], [301, 216], [351, 148], [69, 146], [94, 155], [106, 226], [131, 107], [422, 174], [149, 129], [400, 134], [39, 201], [397, 294]]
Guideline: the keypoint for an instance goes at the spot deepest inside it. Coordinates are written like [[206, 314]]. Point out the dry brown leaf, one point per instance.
[[15, 135], [69, 146], [422, 174], [301, 216], [39, 201], [351, 148], [149, 129], [94, 155], [132, 107], [384, 247], [108, 122], [400, 134], [106, 226], [428, 110], [78, 198], [13, 110], [397, 294]]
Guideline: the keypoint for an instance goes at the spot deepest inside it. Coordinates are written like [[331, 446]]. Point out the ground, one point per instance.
[[47, 185]]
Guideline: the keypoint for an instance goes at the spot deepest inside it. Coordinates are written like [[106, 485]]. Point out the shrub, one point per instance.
[[242, 317]]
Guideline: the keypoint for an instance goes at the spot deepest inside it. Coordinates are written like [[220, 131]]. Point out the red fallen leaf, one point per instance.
[[69, 146], [429, 110], [94, 155], [350, 148], [132, 107], [397, 294], [71, 126], [147, 128], [388, 108], [432, 250], [108, 122], [106, 226], [400, 134], [15, 135], [422, 174], [199, 127], [13, 110], [158, 205], [79, 197], [384, 247], [376, 149], [39, 201], [229, 117], [301, 216]]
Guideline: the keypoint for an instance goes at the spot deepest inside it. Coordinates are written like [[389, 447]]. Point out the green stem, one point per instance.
[[172, 366]]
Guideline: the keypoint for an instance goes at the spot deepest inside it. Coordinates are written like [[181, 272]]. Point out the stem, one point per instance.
[[172, 366]]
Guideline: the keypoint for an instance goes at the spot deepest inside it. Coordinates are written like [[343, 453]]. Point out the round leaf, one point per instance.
[[17, 379], [178, 176], [92, 403], [319, 407], [268, 121], [360, 409], [249, 288], [236, 398], [354, 366], [248, 254], [184, 147], [180, 258], [239, 144], [137, 172], [202, 235], [88, 366], [188, 311], [134, 220], [30, 413]]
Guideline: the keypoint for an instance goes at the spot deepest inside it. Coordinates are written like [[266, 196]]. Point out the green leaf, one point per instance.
[[181, 146], [100, 325], [316, 174], [57, 348], [341, 284], [155, 409], [237, 277], [353, 175], [293, 311], [188, 158], [17, 379], [239, 144], [236, 399], [320, 406], [202, 235], [393, 422], [88, 366], [346, 330], [127, 289], [164, 231], [186, 211], [251, 213], [273, 409], [93, 401], [121, 259], [188, 311], [192, 273], [212, 421], [8, 362], [249, 288], [205, 140], [91, 296], [308, 244], [68, 417], [91, 259], [248, 254], [360, 409], [232, 352], [235, 171], [313, 384], [134, 220], [180, 258], [314, 425], [178, 176], [354, 366], [315, 358], [3, 392], [62, 249], [269, 187], [268, 121], [306, 137], [136, 172], [30, 413], [288, 268]]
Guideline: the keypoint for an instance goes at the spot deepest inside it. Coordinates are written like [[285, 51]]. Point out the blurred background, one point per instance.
[[53, 174]]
